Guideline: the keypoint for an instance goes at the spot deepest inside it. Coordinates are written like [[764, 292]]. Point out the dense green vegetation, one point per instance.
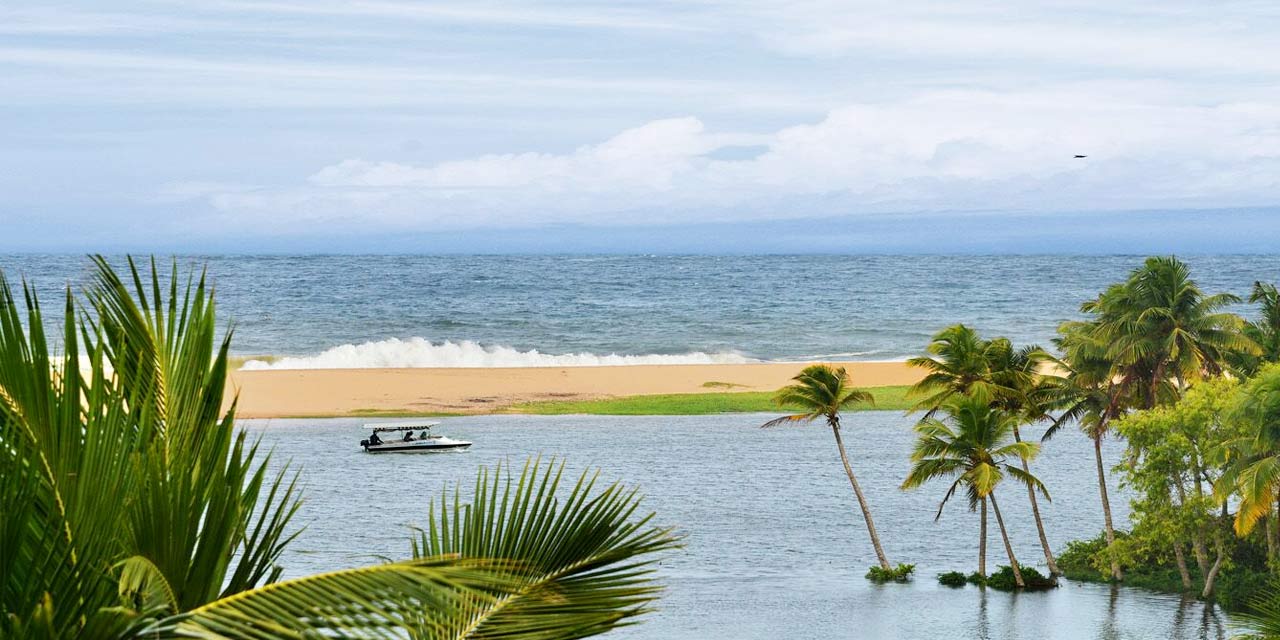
[[133, 506], [891, 398], [1192, 389], [900, 573]]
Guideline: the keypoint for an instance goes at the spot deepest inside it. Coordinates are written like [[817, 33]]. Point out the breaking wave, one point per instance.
[[422, 353]]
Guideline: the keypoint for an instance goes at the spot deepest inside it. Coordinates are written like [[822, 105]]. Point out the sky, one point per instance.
[[317, 125]]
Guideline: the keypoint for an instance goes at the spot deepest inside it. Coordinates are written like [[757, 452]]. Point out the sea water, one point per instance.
[[370, 311], [774, 543]]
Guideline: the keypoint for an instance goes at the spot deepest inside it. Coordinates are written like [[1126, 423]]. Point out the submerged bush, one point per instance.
[[952, 579], [1004, 580], [978, 579], [1078, 560], [901, 573]]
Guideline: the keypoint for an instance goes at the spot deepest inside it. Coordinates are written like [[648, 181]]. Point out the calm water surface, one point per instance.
[[775, 544]]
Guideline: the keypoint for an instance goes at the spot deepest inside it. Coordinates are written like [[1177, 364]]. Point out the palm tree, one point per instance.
[[1148, 337], [134, 507], [821, 391], [1087, 392], [1264, 332], [959, 362], [962, 363], [974, 451], [1254, 470], [1163, 332]]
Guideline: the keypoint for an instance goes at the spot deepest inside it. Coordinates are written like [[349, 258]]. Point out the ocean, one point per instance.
[[476, 311]]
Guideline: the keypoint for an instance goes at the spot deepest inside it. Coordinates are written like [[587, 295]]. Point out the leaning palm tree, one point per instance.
[[134, 507], [975, 451], [1089, 394], [963, 363], [822, 391]]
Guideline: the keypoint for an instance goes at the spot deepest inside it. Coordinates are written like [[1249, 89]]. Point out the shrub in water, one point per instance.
[[1003, 580], [977, 579], [952, 579], [900, 574]]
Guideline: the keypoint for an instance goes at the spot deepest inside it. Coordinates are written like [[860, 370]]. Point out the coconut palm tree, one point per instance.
[[1254, 470], [1088, 394], [974, 449], [133, 505], [1162, 332], [1148, 337], [1264, 332], [821, 391], [963, 363], [959, 362]]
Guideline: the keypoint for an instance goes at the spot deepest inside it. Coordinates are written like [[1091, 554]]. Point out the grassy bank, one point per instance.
[[892, 398]]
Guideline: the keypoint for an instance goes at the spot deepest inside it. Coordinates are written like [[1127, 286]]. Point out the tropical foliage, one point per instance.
[[1147, 339], [961, 363], [974, 449], [133, 505]]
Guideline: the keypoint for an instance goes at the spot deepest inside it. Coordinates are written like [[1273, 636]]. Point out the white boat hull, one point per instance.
[[417, 446]]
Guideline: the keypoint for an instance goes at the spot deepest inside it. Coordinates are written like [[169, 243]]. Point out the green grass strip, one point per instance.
[[890, 398]]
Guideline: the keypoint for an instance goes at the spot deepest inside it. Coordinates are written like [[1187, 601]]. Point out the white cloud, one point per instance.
[[943, 150]]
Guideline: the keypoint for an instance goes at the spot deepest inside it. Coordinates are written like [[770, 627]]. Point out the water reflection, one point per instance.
[[775, 547]]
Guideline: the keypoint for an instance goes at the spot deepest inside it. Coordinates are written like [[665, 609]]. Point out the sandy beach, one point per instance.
[[339, 392]]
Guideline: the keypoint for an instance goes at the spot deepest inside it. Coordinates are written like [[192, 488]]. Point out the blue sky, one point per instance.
[[356, 125]]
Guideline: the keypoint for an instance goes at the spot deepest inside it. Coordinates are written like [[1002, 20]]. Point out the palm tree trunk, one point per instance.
[[1054, 571], [1008, 548], [1106, 506], [982, 542], [862, 500], [1270, 523]]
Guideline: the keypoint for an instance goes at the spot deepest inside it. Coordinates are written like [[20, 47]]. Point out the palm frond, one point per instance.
[[581, 563]]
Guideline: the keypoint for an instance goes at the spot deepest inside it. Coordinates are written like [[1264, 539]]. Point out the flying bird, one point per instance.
[[1080, 156]]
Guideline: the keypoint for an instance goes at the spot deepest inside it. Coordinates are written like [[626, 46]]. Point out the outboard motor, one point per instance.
[[365, 443]]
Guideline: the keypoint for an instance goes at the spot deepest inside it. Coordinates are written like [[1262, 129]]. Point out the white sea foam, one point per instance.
[[420, 353]]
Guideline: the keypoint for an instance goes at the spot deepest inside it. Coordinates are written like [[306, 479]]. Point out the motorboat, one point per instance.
[[400, 438]]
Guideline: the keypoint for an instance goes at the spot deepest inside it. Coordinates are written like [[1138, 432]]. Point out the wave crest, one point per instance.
[[422, 353]]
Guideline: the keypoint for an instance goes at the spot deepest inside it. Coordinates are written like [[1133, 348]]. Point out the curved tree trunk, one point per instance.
[[982, 542], [862, 500], [1054, 571], [1008, 548], [1212, 576], [1181, 559], [1116, 573]]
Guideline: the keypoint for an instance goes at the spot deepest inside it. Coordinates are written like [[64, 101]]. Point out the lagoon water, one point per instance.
[[775, 546], [725, 308]]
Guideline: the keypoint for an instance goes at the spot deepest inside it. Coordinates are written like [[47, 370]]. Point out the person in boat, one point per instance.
[[408, 436], [424, 434], [374, 439]]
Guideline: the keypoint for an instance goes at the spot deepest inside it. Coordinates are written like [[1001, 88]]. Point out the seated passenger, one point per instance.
[[374, 439], [408, 436]]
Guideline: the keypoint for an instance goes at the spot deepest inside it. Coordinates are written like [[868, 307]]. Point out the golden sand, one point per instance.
[[340, 392]]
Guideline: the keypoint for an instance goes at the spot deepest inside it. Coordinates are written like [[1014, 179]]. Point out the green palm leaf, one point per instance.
[[581, 563]]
